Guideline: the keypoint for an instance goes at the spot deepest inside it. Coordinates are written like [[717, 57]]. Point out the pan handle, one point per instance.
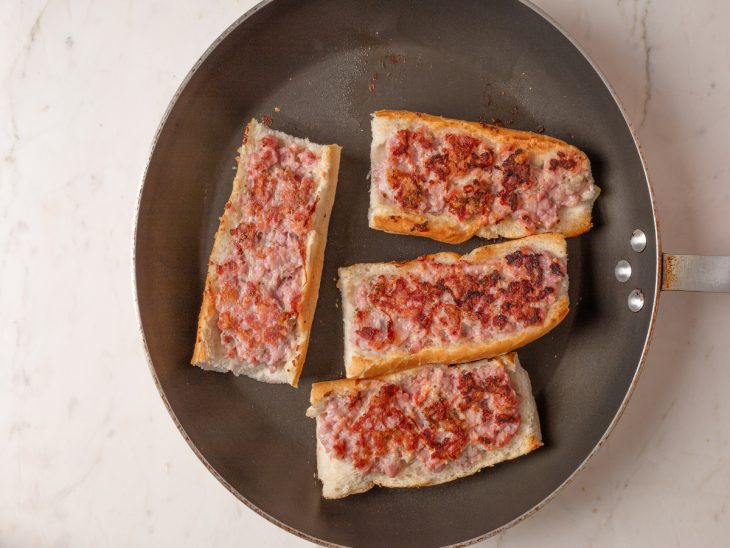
[[695, 273]]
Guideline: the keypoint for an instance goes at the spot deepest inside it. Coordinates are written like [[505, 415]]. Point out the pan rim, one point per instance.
[[657, 286], [138, 314]]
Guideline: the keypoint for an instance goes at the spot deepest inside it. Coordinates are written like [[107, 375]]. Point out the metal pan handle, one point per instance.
[[695, 273]]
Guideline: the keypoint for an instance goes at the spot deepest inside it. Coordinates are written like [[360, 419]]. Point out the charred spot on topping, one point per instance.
[[505, 418], [532, 264], [439, 165], [423, 320], [420, 227], [389, 390], [471, 200], [514, 258], [441, 286], [516, 170], [515, 178], [470, 294], [482, 160], [544, 292], [535, 316], [555, 268], [562, 161], [499, 321]]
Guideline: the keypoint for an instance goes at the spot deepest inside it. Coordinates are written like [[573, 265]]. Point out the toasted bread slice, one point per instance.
[[450, 180], [264, 270], [341, 477], [447, 308]]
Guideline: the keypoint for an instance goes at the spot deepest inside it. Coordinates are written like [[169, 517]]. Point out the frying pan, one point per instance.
[[318, 69]]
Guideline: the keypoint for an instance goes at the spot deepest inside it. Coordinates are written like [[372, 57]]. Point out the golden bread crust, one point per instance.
[[315, 259], [525, 139]]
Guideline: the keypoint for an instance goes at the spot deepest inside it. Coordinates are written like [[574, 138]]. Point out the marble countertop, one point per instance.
[[90, 456]]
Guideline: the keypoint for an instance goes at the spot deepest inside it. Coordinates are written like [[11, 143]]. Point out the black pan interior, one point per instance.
[[326, 65]]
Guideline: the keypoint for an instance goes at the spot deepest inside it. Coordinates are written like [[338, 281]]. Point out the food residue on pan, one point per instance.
[[393, 59], [371, 84], [669, 277], [387, 61]]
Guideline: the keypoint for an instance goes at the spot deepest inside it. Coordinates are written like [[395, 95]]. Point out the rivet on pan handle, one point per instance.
[[696, 273]]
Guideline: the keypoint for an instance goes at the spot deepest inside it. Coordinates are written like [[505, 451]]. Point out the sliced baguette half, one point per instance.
[[341, 478], [364, 361], [417, 219], [209, 352]]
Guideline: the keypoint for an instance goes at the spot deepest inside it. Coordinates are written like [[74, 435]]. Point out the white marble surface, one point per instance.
[[89, 455]]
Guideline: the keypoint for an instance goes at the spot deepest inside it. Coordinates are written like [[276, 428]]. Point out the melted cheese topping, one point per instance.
[[438, 416], [437, 304], [260, 279], [455, 174]]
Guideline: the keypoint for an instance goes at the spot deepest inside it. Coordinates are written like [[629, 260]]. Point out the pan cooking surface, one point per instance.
[[318, 69]]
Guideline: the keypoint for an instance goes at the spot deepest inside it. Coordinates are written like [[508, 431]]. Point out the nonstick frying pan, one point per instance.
[[318, 69]]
